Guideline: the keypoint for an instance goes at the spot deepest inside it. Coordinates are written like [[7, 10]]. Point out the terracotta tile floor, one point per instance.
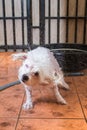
[[46, 114]]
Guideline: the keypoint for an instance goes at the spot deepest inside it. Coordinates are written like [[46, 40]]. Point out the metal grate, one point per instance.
[[42, 22]]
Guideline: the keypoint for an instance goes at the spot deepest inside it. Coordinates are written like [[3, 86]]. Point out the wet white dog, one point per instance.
[[40, 68]]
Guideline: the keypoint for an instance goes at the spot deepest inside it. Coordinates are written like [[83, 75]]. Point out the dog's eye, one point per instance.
[[36, 73], [26, 66]]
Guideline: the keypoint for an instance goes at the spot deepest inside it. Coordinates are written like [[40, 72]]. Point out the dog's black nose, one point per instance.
[[25, 78]]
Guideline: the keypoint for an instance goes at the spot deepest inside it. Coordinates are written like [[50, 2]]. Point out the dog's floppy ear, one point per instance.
[[19, 56]]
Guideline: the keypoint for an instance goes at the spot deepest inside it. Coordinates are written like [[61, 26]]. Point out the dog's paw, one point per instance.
[[63, 102], [66, 87], [27, 105]]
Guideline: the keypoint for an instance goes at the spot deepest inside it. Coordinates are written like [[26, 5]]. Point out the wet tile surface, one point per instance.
[[47, 114], [83, 99], [51, 124], [80, 84], [47, 107], [10, 104], [7, 123]]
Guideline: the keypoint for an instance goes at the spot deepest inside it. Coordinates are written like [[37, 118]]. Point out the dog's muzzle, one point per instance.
[[25, 78]]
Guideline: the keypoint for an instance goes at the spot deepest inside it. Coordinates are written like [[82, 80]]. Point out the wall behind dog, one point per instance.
[[36, 22]]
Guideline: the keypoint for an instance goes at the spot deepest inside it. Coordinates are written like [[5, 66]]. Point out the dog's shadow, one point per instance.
[[45, 100], [51, 99]]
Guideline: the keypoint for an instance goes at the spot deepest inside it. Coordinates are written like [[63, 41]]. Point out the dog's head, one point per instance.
[[29, 72]]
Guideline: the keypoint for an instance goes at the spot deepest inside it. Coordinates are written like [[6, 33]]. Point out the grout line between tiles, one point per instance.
[[8, 117], [52, 118], [34, 118], [79, 101], [19, 113]]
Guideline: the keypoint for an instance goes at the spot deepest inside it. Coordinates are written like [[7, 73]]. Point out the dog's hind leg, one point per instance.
[[59, 98]]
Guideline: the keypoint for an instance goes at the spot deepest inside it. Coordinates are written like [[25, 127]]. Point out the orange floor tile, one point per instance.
[[46, 114]]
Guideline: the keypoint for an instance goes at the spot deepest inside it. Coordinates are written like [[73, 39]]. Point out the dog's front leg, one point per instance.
[[59, 98], [28, 103]]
